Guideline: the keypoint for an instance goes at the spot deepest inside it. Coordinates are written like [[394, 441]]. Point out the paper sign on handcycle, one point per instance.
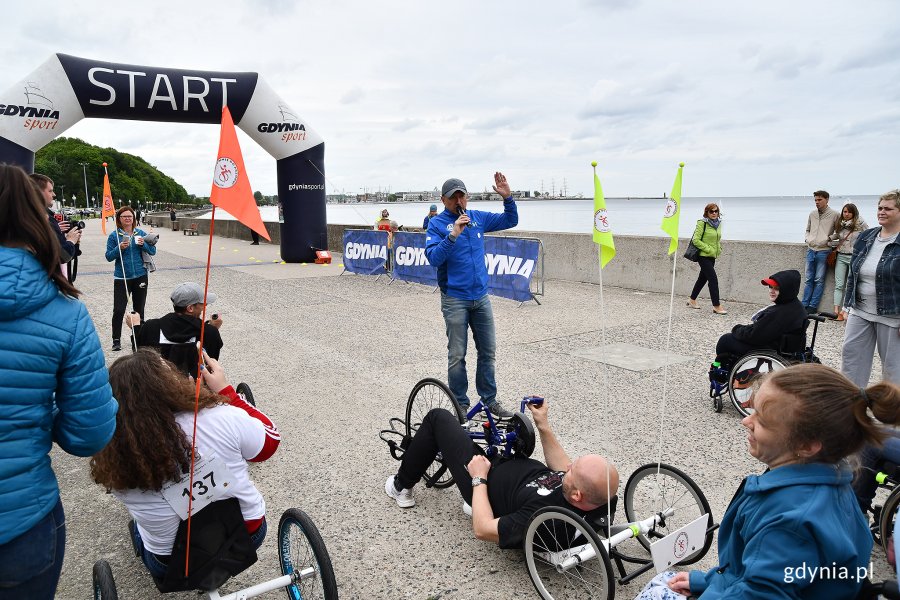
[[679, 544], [211, 480]]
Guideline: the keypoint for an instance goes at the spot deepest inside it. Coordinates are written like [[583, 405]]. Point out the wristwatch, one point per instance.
[[476, 481]]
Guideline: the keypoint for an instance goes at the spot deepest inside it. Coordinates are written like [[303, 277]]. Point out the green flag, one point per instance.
[[602, 232], [673, 211]]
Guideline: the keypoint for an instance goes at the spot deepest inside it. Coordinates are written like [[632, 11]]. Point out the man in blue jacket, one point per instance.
[[454, 243]]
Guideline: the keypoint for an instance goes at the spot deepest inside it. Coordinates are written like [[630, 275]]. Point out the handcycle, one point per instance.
[[568, 556], [305, 566], [735, 378]]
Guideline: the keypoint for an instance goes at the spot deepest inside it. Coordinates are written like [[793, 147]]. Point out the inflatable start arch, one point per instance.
[[66, 89]]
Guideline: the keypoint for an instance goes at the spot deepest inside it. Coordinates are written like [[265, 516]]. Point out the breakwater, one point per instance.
[[641, 262]]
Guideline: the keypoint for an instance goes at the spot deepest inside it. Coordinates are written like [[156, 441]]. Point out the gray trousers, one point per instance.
[[861, 337]]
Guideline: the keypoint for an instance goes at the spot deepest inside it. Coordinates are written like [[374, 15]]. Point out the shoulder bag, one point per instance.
[[693, 252]]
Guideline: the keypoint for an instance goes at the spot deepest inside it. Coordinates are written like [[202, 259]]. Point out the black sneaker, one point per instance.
[[117, 345], [499, 411]]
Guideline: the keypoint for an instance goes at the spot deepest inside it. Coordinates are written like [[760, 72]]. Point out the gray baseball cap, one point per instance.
[[451, 186], [188, 293]]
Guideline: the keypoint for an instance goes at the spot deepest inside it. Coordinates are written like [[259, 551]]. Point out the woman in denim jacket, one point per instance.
[[873, 297]]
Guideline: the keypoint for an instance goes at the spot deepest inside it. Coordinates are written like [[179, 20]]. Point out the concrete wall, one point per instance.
[[641, 263]]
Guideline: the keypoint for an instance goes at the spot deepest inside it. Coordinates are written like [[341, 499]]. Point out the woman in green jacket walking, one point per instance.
[[708, 238]]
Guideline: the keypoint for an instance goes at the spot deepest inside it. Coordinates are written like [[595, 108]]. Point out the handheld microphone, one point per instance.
[[462, 211]]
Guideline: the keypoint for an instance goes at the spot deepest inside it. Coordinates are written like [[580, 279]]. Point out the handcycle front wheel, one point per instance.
[[554, 534], [243, 389], [426, 395], [523, 445], [887, 518], [104, 584], [656, 487], [745, 370], [300, 546]]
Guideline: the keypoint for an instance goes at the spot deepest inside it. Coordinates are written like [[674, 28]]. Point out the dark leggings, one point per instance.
[[707, 275], [137, 287], [440, 431]]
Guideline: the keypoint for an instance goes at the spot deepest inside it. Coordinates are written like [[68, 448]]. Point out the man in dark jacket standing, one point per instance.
[[177, 333], [787, 315], [454, 243], [66, 235]]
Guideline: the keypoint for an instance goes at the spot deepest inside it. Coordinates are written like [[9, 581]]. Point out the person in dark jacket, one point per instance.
[[786, 315], [54, 389], [176, 334]]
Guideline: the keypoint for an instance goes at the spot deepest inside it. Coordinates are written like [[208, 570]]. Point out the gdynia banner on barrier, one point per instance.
[[511, 262]]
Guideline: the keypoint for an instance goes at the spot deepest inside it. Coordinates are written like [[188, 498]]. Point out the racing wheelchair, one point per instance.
[[668, 519], [735, 377]]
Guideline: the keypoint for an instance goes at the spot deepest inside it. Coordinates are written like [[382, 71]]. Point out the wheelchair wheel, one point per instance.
[[104, 584], [300, 546], [653, 488], [243, 389], [553, 535], [426, 395], [524, 444], [745, 370], [887, 518]]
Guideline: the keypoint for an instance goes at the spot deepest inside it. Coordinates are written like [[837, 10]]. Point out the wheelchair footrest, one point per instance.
[[395, 438]]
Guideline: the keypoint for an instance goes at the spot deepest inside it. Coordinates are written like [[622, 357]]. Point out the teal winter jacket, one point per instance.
[[54, 387]]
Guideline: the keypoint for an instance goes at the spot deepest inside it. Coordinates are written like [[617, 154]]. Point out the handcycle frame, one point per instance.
[[772, 360], [666, 508]]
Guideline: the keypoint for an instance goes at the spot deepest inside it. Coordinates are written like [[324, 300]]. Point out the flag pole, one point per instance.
[[672, 228]]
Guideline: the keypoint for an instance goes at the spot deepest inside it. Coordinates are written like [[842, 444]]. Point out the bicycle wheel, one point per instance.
[[426, 395], [104, 584], [243, 389], [653, 488], [524, 444], [553, 535], [744, 372], [300, 546], [887, 518]]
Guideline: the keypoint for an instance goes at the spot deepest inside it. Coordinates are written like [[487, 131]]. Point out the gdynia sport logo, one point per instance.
[[38, 111], [291, 128]]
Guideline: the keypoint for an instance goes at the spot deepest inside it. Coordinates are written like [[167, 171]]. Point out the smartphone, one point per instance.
[[215, 316]]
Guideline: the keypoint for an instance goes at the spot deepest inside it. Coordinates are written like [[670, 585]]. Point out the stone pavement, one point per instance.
[[330, 358]]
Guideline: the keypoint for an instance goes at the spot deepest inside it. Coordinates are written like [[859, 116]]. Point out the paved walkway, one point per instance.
[[332, 357]]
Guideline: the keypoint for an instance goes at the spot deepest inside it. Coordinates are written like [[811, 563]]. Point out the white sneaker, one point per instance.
[[467, 509], [404, 498]]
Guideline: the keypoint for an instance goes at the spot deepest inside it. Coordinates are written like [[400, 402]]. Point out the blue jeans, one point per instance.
[[815, 277], [459, 316], [158, 564], [31, 563]]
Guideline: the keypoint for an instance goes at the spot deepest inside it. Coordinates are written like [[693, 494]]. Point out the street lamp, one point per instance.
[[74, 206], [62, 197], [84, 172]]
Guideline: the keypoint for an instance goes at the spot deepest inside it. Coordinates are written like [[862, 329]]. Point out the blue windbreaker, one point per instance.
[[134, 262], [461, 271], [54, 387]]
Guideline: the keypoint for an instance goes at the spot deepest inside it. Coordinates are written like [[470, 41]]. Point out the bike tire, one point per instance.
[[300, 546], [426, 395], [104, 584]]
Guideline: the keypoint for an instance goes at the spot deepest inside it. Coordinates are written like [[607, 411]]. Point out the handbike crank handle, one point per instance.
[[535, 400], [633, 530]]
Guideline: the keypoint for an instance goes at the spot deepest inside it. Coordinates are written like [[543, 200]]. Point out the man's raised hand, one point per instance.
[[501, 186]]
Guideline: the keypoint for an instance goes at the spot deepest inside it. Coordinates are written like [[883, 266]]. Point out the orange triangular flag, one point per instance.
[[108, 209], [231, 187]]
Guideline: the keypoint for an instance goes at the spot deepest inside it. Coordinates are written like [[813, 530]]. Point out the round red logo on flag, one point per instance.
[[226, 173]]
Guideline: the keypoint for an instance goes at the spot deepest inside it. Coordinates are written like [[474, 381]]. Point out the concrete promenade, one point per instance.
[[330, 358]]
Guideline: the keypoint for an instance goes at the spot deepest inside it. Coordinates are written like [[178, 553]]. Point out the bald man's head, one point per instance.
[[590, 481]]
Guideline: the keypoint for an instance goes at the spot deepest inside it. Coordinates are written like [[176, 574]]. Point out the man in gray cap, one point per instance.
[[454, 243], [432, 212], [177, 333]]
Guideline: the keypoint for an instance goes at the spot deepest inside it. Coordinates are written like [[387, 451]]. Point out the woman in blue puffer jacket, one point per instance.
[[53, 388], [125, 246]]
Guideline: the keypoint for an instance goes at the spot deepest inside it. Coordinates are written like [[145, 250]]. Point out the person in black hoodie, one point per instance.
[[787, 315], [176, 334]]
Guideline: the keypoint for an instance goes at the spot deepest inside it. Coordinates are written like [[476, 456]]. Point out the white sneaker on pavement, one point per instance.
[[404, 498], [467, 509]]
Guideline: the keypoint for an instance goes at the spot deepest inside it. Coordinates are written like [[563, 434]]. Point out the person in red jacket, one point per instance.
[[151, 448]]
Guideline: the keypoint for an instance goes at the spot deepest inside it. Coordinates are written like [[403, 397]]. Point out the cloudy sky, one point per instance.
[[757, 98]]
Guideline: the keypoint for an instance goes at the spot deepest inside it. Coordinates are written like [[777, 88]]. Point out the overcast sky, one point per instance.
[[757, 98]]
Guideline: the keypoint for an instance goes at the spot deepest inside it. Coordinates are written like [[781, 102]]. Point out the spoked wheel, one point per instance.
[[745, 371], [243, 389], [887, 518], [104, 584], [426, 395], [524, 444], [302, 550], [556, 534], [653, 488]]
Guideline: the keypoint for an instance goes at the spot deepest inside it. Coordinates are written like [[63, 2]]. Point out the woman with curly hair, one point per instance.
[[152, 447], [53, 388], [847, 228]]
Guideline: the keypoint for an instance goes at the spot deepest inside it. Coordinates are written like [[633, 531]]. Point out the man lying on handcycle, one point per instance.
[[506, 493]]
